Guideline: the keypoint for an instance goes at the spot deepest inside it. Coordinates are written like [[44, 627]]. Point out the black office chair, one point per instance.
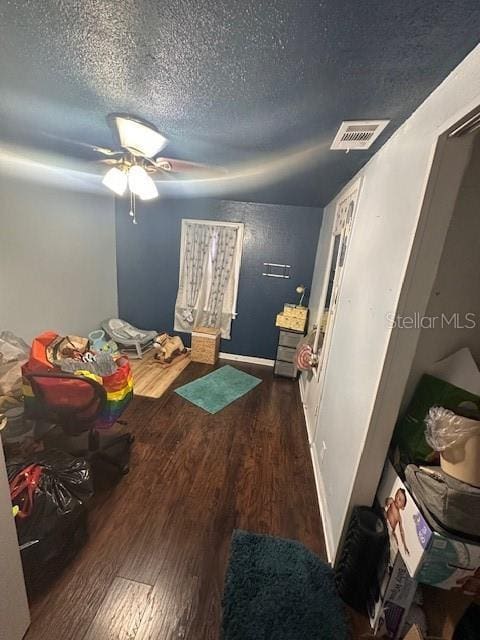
[[74, 403]]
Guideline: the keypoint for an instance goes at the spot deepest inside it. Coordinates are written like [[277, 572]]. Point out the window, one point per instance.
[[210, 257]]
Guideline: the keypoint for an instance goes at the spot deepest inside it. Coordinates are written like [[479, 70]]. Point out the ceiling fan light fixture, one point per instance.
[[139, 138], [141, 184], [116, 180]]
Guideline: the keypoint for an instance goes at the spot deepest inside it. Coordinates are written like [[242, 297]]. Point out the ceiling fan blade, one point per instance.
[[181, 166], [106, 152], [110, 161], [103, 150]]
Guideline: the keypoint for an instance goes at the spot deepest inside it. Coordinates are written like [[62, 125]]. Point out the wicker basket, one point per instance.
[[205, 345], [295, 311], [287, 322]]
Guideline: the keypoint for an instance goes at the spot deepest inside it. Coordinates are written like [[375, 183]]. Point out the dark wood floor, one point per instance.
[[155, 562]]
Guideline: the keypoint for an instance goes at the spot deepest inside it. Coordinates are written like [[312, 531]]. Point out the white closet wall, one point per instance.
[[456, 291], [14, 613], [363, 388]]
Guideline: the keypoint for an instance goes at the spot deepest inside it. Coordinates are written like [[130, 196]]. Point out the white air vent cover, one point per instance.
[[358, 134]]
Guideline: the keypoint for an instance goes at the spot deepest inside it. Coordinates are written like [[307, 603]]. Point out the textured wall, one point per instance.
[[148, 262], [228, 80], [57, 259]]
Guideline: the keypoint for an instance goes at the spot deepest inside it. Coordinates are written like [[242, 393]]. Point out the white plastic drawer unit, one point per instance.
[[289, 339], [287, 354], [286, 369], [285, 361]]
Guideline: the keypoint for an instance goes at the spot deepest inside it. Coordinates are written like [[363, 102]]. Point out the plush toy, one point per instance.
[[169, 347], [99, 344]]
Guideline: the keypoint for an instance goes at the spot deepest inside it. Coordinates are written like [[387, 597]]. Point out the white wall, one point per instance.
[[57, 271], [57, 259], [14, 613], [350, 424], [456, 288]]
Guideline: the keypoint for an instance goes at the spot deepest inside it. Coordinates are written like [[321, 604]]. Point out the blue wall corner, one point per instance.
[[148, 257]]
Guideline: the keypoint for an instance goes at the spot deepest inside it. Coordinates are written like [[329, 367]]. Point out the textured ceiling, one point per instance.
[[228, 81]]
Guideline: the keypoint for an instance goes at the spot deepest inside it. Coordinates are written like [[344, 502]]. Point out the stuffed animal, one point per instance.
[[169, 347]]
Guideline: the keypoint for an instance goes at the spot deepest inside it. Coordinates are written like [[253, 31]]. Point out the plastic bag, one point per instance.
[[12, 348], [118, 385], [51, 491], [13, 353], [443, 428], [119, 388], [409, 436]]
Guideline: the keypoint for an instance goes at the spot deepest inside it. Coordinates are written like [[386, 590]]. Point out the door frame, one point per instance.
[[352, 191]]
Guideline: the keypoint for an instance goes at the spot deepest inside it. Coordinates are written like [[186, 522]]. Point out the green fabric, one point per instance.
[[277, 589], [409, 434], [218, 389]]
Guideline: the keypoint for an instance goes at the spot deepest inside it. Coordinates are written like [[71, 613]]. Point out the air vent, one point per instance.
[[358, 134]]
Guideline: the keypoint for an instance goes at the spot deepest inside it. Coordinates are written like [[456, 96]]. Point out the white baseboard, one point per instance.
[[250, 359], [327, 530]]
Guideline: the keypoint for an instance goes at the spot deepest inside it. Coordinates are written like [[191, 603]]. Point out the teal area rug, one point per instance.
[[278, 589], [218, 389]]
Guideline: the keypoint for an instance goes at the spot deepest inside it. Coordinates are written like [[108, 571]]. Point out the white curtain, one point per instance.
[[210, 256]]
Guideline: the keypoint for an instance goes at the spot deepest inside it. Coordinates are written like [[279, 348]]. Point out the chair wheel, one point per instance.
[[131, 440], [124, 470]]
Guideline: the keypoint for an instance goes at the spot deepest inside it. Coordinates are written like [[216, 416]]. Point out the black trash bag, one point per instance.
[[51, 490]]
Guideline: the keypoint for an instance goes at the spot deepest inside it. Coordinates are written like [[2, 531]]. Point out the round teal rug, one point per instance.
[[277, 589]]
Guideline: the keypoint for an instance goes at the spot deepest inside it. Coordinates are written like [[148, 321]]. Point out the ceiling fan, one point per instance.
[[136, 159]]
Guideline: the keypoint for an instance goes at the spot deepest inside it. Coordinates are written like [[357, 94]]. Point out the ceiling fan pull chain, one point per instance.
[[131, 213], [134, 198]]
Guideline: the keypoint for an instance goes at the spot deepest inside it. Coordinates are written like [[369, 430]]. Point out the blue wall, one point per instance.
[[148, 263]]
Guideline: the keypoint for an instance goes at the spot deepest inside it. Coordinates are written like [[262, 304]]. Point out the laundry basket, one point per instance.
[[205, 345]]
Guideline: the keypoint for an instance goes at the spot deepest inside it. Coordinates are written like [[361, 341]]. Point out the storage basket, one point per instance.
[[295, 311], [205, 345], [287, 322]]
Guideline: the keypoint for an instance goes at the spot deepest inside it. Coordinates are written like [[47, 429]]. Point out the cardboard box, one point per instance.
[[430, 557], [444, 610], [414, 634], [391, 598]]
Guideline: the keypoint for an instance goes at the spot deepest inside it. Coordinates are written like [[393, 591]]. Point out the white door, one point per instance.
[[14, 613], [337, 249]]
